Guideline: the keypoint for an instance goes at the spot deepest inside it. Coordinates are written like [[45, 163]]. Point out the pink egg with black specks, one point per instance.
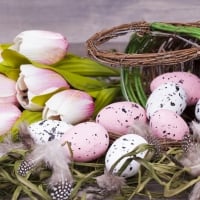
[[118, 117], [168, 124], [88, 141], [188, 81]]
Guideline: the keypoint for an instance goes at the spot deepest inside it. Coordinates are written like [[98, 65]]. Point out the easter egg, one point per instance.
[[188, 81], [118, 117], [47, 130], [120, 147], [168, 124], [197, 110], [168, 96], [88, 141]]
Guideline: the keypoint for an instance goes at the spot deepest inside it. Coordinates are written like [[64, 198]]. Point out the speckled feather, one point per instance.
[[55, 157]]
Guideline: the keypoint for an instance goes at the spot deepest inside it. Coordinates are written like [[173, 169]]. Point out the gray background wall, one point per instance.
[[79, 19]]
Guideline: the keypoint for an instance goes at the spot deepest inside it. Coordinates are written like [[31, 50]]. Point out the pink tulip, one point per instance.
[[9, 113], [35, 81], [42, 46], [8, 90], [72, 106]]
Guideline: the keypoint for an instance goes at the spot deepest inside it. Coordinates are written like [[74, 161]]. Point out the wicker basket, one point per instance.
[[172, 52], [168, 58]]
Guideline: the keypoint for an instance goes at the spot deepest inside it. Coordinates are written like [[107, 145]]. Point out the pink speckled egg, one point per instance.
[[188, 81], [168, 124], [118, 117], [88, 141]]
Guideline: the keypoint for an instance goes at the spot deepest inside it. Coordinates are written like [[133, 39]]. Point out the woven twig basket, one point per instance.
[[168, 58], [173, 52]]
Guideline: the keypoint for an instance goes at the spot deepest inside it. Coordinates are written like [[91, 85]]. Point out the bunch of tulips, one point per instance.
[[40, 79]]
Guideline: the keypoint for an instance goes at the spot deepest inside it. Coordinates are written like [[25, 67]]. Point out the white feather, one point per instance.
[[56, 157], [195, 194], [191, 160], [195, 127], [140, 128]]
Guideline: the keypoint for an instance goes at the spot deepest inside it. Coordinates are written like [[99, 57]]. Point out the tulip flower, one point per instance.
[[8, 90], [72, 106], [9, 113], [35, 81], [42, 46]]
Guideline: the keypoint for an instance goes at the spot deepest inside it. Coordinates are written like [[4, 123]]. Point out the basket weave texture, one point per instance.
[[170, 57]]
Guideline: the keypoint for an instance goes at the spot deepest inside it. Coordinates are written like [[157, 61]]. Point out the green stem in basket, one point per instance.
[[126, 86], [139, 87], [176, 29], [131, 79]]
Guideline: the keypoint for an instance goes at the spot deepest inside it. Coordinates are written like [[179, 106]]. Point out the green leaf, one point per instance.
[[5, 46], [82, 82], [28, 117], [10, 72], [104, 97], [85, 66], [77, 81], [13, 58], [41, 99]]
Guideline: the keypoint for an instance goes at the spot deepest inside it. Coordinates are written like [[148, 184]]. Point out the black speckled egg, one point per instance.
[[168, 96], [48, 130], [120, 147]]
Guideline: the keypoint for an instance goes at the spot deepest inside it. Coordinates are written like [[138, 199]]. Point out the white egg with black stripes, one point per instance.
[[121, 147]]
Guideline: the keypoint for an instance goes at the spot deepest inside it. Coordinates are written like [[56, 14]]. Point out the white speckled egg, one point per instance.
[[168, 124], [120, 147], [168, 96], [88, 141], [48, 130], [188, 81], [118, 117], [197, 110]]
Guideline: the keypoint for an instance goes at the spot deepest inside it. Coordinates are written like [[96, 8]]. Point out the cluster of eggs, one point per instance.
[[171, 94]]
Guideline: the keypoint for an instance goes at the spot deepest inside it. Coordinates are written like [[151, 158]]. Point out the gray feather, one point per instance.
[[8, 145], [106, 187], [195, 194]]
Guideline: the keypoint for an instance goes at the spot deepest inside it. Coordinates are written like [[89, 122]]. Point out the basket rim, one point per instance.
[[120, 59]]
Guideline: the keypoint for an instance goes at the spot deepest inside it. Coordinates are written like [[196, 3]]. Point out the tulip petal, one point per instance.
[[72, 106], [41, 81], [42, 46], [8, 90], [34, 82], [9, 113]]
